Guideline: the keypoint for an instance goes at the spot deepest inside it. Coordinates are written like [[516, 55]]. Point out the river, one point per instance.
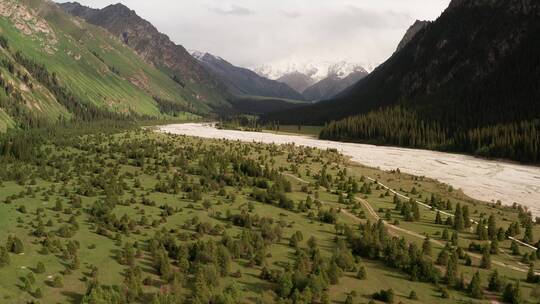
[[481, 179]]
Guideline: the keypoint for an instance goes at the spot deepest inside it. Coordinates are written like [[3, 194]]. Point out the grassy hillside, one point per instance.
[[97, 69], [5, 121], [158, 50]]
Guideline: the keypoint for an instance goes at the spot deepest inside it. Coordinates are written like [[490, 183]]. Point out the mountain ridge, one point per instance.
[[417, 26], [155, 48], [242, 81], [332, 86]]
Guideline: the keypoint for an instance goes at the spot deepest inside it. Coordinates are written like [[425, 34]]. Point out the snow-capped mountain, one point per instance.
[[315, 70], [303, 76]]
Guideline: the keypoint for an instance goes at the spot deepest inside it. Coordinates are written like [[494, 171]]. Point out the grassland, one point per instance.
[[80, 202]]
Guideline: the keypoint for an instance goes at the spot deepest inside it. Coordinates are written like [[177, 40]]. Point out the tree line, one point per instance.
[[402, 127]]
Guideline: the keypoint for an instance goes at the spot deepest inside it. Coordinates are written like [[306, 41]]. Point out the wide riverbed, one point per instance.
[[481, 179]]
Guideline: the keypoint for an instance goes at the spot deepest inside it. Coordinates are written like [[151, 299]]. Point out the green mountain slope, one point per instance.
[[94, 68], [156, 49]]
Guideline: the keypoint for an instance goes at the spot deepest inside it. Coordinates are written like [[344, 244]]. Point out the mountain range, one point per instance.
[[214, 79], [315, 81], [465, 82], [242, 82]]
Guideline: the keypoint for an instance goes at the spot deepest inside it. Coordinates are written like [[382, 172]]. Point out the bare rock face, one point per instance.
[[152, 46], [411, 32]]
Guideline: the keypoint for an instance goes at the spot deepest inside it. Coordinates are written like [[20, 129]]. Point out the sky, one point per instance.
[[252, 33]]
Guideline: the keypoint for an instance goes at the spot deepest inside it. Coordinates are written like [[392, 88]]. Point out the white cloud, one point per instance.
[[231, 10], [255, 32]]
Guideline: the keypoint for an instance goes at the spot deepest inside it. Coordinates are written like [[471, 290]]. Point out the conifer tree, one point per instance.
[[4, 257], [492, 227], [438, 219], [466, 217], [486, 259], [475, 287], [458, 218]]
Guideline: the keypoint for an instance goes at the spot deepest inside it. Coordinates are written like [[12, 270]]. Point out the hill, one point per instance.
[[241, 81], [157, 49], [55, 67], [466, 82]]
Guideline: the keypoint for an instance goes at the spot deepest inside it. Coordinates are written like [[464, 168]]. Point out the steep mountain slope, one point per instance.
[[157, 49], [332, 86], [242, 81], [411, 32], [55, 67], [468, 82]]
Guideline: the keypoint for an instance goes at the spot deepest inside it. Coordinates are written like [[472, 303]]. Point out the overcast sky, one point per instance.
[[251, 33]]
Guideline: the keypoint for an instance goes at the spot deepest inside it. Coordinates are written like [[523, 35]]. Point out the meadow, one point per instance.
[[136, 216]]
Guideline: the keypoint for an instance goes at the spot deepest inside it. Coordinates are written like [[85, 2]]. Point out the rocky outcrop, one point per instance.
[[411, 32]]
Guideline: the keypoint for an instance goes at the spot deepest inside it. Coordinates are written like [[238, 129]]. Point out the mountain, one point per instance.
[[55, 67], [302, 75], [296, 80], [241, 81], [467, 82], [411, 32], [155, 48], [333, 85]]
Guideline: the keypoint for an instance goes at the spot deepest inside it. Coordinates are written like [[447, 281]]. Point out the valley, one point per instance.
[[140, 216], [135, 170]]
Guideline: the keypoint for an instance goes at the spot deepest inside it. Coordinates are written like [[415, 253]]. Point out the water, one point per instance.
[[481, 179]]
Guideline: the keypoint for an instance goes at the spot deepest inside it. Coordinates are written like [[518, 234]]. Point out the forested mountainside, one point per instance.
[[157, 49], [55, 67], [467, 82]]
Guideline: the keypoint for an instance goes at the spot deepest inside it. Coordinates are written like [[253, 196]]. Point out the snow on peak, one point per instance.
[[315, 70], [203, 56]]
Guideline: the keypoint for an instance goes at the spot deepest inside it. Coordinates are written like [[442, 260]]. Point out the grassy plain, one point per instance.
[[138, 161]]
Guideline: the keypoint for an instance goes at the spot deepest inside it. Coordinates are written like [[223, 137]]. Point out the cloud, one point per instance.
[[355, 18], [291, 14], [251, 33], [232, 10]]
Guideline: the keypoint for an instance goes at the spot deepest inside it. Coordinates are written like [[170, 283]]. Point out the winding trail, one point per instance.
[[376, 216]]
